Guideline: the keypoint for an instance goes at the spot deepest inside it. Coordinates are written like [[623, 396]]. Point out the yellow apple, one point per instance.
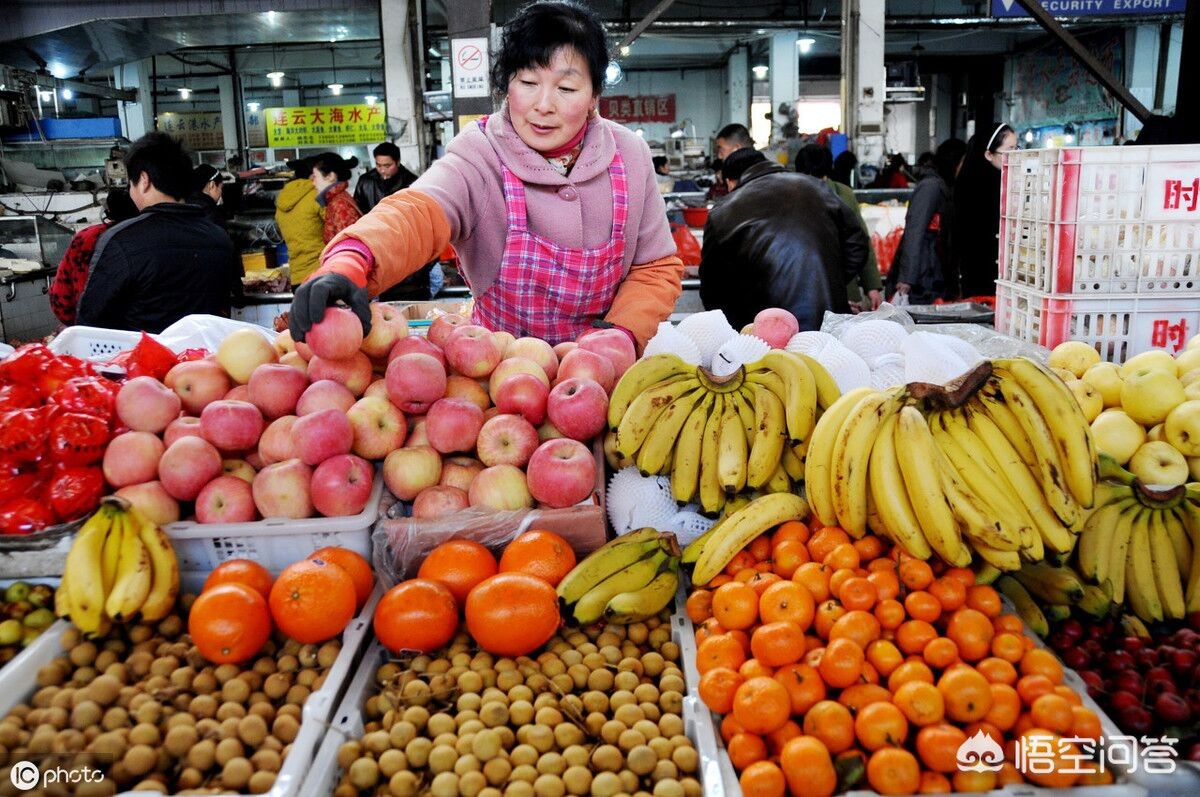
[[1182, 428], [1158, 463], [1187, 360], [1074, 356], [1192, 391], [244, 350], [1188, 377], [1149, 394], [1065, 374], [1117, 435], [1155, 434], [1155, 358], [1194, 468], [1193, 342], [1106, 378], [1088, 397]]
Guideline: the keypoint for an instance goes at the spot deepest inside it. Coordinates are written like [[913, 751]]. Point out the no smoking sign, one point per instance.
[[469, 64]]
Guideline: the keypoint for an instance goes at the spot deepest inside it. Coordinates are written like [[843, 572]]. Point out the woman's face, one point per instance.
[[1007, 144], [322, 180], [550, 105]]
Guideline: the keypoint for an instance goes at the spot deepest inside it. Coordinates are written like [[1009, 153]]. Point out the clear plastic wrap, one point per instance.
[[205, 332]]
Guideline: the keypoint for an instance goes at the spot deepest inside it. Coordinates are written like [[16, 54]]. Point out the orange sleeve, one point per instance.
[[404, 232], [647, 296]]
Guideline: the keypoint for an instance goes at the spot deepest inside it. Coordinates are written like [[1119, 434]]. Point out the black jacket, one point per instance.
[[921, 258], [165, 263], [372, 188], [781, 239], [976, 225]]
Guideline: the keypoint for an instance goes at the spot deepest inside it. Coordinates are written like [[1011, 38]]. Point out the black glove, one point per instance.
[[314, 295]]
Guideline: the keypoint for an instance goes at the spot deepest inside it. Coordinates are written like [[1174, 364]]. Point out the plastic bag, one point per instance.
[[147, 358], [205, 332], [900, 299], [686, 245]]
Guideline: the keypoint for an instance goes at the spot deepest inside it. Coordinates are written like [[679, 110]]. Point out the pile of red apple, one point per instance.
[[1149, 687]]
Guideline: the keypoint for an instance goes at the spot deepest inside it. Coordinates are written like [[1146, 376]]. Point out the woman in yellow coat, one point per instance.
[[301, 222]]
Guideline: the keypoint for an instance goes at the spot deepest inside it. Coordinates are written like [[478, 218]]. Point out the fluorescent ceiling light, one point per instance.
[[276, 78], [184, 93], [253, 106], [336, 88], [760, 72], [371, 99], [805, 43], [67, 94]]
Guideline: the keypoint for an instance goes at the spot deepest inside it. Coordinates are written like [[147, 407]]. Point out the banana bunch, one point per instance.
[[1001, 466], [1042, 591], [629, 580], [716, 437], [712, 551], [119, 566], [1141, 545]]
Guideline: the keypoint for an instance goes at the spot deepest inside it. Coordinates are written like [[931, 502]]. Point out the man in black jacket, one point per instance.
[[388, 177], [780, 239], [167, 262]]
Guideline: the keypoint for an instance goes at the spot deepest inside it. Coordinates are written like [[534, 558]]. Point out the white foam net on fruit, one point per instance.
[[709, 331], [669, 340], [736, 352], [847, 369], [636, 501]]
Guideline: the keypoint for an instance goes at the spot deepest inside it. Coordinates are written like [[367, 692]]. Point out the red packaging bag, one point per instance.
[[688, 248]]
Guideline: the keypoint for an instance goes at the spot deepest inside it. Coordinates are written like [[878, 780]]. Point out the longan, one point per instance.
[[671, 702], [145, 733], [236, 773], [651, 711], [494, 714], [203, 755], [298, 694], [236, 690], [228, 749], [607, 758], [606, 784], [364, 773], [551, 717], [628, 715], [626, 680], [444, 785], [641, 760], [404, 784], [252, 730], [104, 690], [139, 760], [551, 764], [647, 728], [525, 772], [230, 711], [262, 782], [523, 754], [271, 761], [567, 734], [204, 683], [201, 707], [665, 769], [391, 762], [497, 771], [83, 654], [600, 680], [226, 672], [668, 787], [630, 739], [418, 752], [621, 697], [86, 714], [285, 728]]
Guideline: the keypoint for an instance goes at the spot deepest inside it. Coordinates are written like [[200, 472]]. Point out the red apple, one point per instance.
[[491, 412], [341, 485], [548, 431], [776, 326], [152, 501], [524, 395], [511, 367], [444, 325], [416, 433], [388, 325], [355, 371], [379, 427], [232, 426], [588, 365], [293, 360], [459, 472], [537, 350], [225, 499], [612, 343], [561, 473], [132, 458], [505, 339], [337, 336], [188, 465], [324, 394], [275, 389], [182, 426], [417, 344], [561, 349], [198, 383], [321, 435], [303, 350], [238, 393], [146, 405], [578, 408], [415, 381], [408, 471], [453, 424], [239, 468], [437, 501], [277, 442], [283, 490], [500, 488], [507, 440], [472, 351], [377, 388], [255, 461], [464, 387]]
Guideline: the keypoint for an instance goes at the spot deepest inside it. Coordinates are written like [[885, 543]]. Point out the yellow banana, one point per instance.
[[818, 467], [986, 574], [1070, 431], [792, 463], [851, 455], [634, 607], [590, 607], [110, 557], [603, 562], [164, 586], [918, 458], [800, 403], [712, 497], [685, 463], [1141, 588], [779, 482], [1008, 561], [1180, 542], [771, 381], [1051, 584], [732, 452], [1095, 541], [743, 404], [1166, 569], [886, 485], [62, 598], [1096, 601], [979, 519], [84, 571], [655, 452], [827, 390], [644, 411], [1190, 518], [640, 377], [1118, 552], [741, 527], [770, 438], [1026, 608], [987, 402], [134, 573]]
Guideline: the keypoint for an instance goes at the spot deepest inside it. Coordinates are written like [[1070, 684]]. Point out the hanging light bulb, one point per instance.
[[805, 43], [253, 106], [335, 89], [184, 93], [371, 99], [760, 71], [276, 78], [67, 94]]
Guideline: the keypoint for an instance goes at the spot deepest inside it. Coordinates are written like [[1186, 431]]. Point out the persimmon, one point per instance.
[[418, 614], [512, 614], [312, 601], [241, 571], [539, 553]]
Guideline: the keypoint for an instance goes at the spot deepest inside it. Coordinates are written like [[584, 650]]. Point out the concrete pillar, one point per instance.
[[863, 78], [137, 118], [737, 81], [230, 113], [785, 75], [470, 21], [404, 105], [1141, 44]]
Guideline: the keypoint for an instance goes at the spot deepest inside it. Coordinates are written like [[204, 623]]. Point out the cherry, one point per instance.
[[1123, 701], [1172, 709], [1132, 643], [1076, 658], [1135, 720], [1119, 660]]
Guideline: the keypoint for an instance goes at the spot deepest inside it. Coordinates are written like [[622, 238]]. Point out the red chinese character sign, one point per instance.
[[325, 125], [1173, 191], [642, 108]]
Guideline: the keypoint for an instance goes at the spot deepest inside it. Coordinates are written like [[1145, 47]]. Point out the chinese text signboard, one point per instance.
[[325, 124], [643, 108], [469, 66], [198, 131], [1052, 88], [1092, 8]]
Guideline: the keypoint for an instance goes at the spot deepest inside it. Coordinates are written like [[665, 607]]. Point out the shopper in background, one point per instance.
[[718, 189], [301, 221], [72, 272], [662, 174], [976, 222], [331, 177], [779, 239], [895, 173], [388, 177], [731, 138], [553, 211], [843, 168], [817, 161], [167, 262], [919, 271], [206, 192]]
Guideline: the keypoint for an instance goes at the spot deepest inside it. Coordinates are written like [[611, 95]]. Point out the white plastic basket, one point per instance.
[[93, 343], [18, 683], [274, 543], [1090, 220], [1118, 326]]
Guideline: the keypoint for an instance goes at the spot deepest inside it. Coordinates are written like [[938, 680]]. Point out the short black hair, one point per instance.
[[204, 174], [738, 161], [539, 30], [301, 168], [386, 150], [736, 134], [331, 162], [815, 160], [659, 161], [948, 156], [166, 162], [118, 206]]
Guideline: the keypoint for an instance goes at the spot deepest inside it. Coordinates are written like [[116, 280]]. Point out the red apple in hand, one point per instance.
[[507, 440], [578, 408], [524, 395], [561, 473], [338, 335], [590, 365], [341, 485], [415, 381], [453, 424]]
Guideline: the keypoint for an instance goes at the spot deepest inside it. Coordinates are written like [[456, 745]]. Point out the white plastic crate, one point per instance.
[[1090, 220], [18, 683], [93, 343], [274, 543], [1118, 326]]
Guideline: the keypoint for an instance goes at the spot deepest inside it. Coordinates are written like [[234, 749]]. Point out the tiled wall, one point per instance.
[[25, 311]]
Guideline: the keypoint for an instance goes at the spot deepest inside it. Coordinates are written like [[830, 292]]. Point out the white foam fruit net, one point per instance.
[[736, 352], [847, 369], [709, 331], [688, 525], [927, 358], [811, 343], [873, 338], [636, 501], [669, 340], [887, 371]]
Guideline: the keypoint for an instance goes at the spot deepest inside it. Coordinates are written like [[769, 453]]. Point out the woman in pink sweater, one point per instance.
[[554, 212]]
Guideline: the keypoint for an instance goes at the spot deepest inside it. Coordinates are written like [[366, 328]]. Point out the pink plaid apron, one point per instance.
[[548, 291]]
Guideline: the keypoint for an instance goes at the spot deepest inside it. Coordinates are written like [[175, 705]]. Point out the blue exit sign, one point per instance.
[[1092, 8]]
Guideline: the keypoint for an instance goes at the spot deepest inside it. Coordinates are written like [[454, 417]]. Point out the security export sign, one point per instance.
[[325, 124], [1092, 8], [643, 108]]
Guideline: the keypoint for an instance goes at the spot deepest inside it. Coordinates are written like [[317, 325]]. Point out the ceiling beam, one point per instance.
[[644, 23]]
